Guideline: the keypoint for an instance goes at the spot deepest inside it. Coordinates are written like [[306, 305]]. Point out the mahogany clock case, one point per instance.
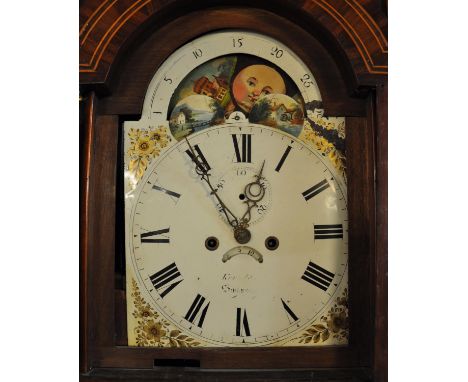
[[114, 93]]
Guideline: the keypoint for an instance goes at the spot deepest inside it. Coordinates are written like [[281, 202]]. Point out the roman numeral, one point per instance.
[[242, 324], [328, 231], [318, 276], [199, 156], [244, 154], [315, 190], [164, 279], [167, 192], [289, 312], [283, 158], [194, 310], [163, 239]]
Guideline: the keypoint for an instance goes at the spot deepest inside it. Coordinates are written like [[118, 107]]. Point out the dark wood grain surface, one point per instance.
[[355, 29], [381, 253], [361, 202], [88, 106], [200, 375], [101, 237]]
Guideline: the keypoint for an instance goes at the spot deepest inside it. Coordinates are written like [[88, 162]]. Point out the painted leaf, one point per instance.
[[324, 335], [316, 338], [319, 327], [174, 333]]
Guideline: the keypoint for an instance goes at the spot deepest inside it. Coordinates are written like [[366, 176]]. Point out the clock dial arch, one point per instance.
[[222, 43]]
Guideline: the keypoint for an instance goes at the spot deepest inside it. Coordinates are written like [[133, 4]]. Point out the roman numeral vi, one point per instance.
[[242, 324]]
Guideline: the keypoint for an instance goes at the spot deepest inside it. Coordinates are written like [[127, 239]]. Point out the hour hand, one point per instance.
[[201, 165]]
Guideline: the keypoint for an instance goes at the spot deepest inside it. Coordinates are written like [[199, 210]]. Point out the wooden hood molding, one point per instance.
[[354, 29]]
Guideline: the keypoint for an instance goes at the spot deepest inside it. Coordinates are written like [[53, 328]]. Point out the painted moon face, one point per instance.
[[279, 111], [256, 81], [195, 113]]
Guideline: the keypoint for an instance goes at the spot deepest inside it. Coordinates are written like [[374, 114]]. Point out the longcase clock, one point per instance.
[[233, 190]]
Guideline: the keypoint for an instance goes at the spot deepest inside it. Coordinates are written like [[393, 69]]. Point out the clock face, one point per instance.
[[236, 225]]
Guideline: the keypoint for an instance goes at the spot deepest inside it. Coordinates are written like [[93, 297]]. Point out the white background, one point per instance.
[[427, 198]]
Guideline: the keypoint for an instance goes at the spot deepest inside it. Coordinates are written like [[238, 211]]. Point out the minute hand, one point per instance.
[[201, 170]]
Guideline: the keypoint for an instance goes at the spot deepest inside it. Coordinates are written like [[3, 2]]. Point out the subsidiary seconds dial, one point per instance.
[[259, 290]]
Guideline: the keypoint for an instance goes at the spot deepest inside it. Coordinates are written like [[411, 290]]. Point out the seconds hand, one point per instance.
[[201, 170]]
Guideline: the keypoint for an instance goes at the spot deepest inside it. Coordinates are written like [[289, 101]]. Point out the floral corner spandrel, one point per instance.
[[153, 330], [327, 135], [144, 146], [333, 325]]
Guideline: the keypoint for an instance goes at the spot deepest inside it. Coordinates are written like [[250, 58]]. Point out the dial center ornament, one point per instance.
[[249, 198], [242, 235]]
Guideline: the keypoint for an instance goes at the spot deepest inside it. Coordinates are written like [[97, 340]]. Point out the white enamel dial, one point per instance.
[[239, 294]]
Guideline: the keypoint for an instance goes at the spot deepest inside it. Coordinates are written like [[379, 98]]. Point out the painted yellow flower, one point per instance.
[[141, 341], [319, 142], [154, 331], [341, 130], [144, 312], [144, 147], [159, 136], [135, 134], [324, 123], [334, 156]]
